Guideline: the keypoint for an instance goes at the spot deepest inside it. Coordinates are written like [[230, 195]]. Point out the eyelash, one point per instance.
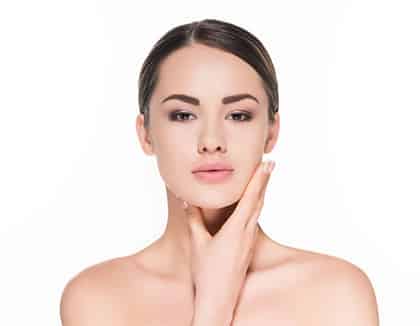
[[173, 116]]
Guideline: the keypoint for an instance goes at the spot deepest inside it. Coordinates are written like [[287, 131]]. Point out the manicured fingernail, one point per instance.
[[266, 166], [273, 164], [269, 166]]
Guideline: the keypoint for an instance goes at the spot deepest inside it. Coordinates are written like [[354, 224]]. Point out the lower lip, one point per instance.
[[213, 176]]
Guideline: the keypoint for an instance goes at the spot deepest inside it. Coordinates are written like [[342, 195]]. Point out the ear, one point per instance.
[[273, 134], [142, 134]]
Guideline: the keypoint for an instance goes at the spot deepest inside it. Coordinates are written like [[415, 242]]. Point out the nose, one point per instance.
[[209, 148], [211, 140]]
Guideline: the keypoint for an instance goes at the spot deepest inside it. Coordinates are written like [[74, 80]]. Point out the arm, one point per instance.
[[83, 304], [210, 313], [219, 262], [350, 300]]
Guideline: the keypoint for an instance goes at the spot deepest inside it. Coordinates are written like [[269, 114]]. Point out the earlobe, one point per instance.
[[272, 135], [143, 136], [268, 147]]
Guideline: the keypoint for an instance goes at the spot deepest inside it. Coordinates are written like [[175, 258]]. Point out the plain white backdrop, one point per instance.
[[76, 188]]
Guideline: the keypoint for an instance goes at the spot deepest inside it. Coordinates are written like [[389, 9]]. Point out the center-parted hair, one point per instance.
[[213, 33]]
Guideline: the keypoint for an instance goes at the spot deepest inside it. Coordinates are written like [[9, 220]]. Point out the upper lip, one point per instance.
[[213, 166]]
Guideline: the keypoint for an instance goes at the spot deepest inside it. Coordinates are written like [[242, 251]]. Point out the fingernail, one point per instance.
[[266, 167], [184, 204], [273, 164]]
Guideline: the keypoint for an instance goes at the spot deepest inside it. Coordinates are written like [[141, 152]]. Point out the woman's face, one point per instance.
[[236, 133]]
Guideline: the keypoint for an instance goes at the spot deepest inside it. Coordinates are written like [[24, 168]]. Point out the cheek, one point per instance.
[[176, 151], [174, 175], [172, 165], [174, 162], [248, 146]]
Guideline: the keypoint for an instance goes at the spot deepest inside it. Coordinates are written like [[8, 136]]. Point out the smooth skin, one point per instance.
[[220, 262], [154, 286]]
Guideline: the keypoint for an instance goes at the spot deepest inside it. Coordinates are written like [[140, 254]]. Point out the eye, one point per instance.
[[174, 115], [180, 115], [244, 116]]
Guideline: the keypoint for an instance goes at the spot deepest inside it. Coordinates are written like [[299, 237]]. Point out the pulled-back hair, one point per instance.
[[213, 33]]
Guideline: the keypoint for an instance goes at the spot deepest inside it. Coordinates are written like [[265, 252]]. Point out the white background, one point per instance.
[[76, 188]]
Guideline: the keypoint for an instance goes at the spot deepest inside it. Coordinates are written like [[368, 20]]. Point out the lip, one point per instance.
[[213, 176], [213, 166]]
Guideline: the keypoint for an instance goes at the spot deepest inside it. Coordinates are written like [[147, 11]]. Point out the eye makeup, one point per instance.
[[240, 116]]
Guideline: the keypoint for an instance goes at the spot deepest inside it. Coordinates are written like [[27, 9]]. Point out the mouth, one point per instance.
[[213, 176]]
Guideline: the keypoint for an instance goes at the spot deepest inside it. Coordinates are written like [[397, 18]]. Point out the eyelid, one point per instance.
[[247, 114]]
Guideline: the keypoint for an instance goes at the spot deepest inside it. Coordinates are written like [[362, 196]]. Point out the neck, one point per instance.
[[175, 241]]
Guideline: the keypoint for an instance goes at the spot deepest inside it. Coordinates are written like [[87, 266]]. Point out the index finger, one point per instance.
[[254, 190]]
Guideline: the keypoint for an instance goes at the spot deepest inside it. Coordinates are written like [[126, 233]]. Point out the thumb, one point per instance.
[[195, 221]]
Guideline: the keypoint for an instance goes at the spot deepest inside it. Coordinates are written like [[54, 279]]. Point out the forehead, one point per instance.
[[207, 72]]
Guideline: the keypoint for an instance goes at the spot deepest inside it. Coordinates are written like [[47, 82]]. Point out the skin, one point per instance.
[[283, 285], [210, 134], [220, 262]]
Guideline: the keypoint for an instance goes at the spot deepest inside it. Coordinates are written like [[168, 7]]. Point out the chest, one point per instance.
[[252, 310], [273, 297]]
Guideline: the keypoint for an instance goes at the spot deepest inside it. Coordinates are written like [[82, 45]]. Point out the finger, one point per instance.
[[249, 200], [253, 220], [254, 191], [195, 220], [251, 244]]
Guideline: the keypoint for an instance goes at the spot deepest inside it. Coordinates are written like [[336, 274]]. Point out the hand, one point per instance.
[[219, 263]]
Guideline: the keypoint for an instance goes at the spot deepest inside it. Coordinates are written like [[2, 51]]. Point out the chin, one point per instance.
[[217, 200], [207, 197]]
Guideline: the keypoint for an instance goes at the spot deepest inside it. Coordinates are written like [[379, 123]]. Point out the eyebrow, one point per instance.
[[195, 101]]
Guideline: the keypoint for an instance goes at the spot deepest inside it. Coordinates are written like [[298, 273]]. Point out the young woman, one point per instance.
[[209, 111]]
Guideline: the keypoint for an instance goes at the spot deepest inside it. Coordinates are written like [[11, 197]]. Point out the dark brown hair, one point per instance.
[[216, 34]]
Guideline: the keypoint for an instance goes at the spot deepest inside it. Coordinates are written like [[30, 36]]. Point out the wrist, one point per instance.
[[211, 311]]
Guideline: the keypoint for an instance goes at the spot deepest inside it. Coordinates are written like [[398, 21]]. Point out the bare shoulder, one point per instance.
[[340, 292], [90, 294]]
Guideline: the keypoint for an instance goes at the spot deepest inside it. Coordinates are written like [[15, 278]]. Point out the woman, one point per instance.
[[208, 112]]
